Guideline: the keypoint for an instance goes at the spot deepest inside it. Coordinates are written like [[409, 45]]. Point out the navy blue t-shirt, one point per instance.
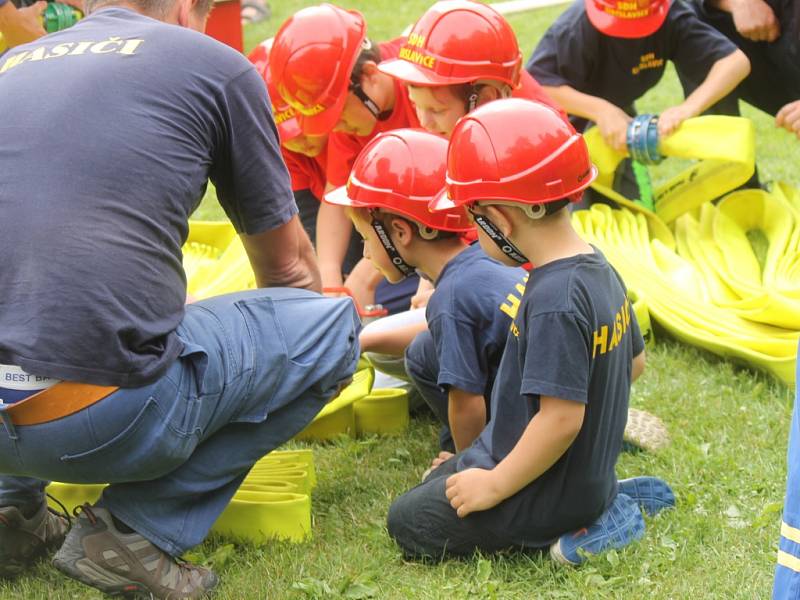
[[620, 70], [468, 316], [110, 132], [573, 338]]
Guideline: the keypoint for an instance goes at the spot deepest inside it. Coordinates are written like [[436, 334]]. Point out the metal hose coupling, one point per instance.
[[642, 139]]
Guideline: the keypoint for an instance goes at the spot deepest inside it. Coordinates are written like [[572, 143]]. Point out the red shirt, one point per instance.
[[530, 89], [307, 173], [344, 147]]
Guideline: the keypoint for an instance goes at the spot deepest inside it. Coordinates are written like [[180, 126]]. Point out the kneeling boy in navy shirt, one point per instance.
[[542, 472], [394, 178]]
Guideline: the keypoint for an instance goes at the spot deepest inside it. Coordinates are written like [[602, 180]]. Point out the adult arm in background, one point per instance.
[[754, 19], [283, 257], [722, 79], [21, 25], [788, 117]]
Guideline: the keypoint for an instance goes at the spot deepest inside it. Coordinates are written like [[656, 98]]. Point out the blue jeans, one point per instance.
[[257, 366], [787, 572]]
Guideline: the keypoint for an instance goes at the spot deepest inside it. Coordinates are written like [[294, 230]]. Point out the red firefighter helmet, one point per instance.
[[515, 150], [458, 41], [311, 61], [401, 171], [284, 115], [627, 18]]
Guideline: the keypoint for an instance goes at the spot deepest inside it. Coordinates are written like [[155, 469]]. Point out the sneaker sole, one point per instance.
[[651, 493], [558, 556]]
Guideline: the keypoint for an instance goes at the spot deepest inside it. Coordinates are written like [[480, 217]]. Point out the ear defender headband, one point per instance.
[[505, 245], [406, 270]]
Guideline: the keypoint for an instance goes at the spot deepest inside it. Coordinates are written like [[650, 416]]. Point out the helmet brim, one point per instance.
[[412, 74], [441, 202], [324, 122], [339, 197], [626, 28]]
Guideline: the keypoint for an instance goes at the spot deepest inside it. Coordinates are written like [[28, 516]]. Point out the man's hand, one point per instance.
[[755, 20], [670, 119], [21, 25], [789, 118], [613, 124], [472, 490]]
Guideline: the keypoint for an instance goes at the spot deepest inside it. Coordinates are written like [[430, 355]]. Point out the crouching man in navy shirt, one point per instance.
[[170, 404]]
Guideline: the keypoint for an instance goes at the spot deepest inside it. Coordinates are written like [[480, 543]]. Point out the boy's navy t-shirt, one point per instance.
[[111, 130], [468, 316], [620, 70], [573, 338]]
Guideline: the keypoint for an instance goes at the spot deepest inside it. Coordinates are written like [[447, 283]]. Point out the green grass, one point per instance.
[[726, 463]]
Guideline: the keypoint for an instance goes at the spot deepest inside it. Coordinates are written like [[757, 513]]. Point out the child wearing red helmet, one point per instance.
[[542, 472], [305, 155], [325, 67], [459, 55], [393, 180], [600, 56]]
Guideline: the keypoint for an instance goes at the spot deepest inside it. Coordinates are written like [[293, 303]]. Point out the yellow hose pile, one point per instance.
[[692, 262]]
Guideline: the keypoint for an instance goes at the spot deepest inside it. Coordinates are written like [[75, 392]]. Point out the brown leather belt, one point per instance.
[[56, 402]]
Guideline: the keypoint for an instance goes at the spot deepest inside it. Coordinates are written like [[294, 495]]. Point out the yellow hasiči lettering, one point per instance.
[[600, 342], [60, 50], [511, 307], [514, 329], [13, 61], [107, 46], [130, 46], [81, 48]]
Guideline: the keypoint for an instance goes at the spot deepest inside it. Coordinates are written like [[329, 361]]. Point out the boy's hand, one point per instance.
[[789, 118], [755, 20], [472, 490], [443, 456], [613, 124], [671, 119]]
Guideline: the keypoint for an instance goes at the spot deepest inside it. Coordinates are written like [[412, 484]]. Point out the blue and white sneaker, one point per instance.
[[621, 524], [651, 493]]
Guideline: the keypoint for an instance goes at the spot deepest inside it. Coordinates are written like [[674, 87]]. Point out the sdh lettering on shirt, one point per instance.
[[568, 305], [620, 70], [468, 316], [118, 124]]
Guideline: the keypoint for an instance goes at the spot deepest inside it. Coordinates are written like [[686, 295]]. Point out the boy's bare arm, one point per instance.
[[466, 413], [611, 119], [637, 366], [390, 341], [544, 441], [722, 79], [333, 236]]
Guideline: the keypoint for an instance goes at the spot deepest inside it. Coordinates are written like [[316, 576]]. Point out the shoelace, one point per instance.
[[86, 509], [64, 512]]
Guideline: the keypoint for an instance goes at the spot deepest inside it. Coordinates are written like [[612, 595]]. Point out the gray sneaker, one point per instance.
[[126, 564], [22, 540]]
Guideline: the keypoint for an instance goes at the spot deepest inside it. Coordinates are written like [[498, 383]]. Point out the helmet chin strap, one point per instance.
[[501, 241], [369, 103], [406, 270]]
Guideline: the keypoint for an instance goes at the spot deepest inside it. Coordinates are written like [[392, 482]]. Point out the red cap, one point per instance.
[[457, 41], [627, 18], [311, 61], [402, 171], [284, 115], [515, 150]]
